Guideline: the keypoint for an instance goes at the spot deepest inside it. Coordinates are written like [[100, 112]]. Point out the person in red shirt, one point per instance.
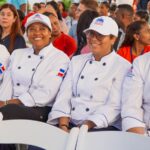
[[61, 40], [137, 41]]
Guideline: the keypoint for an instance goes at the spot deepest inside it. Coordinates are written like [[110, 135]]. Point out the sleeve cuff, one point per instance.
[[128, 123], [54, 115], [99, 120], [27, 100]]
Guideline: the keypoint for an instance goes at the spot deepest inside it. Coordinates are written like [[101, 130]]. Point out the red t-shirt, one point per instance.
[[66, 44], [64, 14], [125, 53]]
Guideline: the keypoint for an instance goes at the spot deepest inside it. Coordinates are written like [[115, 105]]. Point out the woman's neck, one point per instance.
[[38, 49], [6, 31], [137, 48], [54, 37], [99, 56]]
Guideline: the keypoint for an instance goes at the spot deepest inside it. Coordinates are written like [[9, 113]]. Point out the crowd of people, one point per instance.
[[87, 64]]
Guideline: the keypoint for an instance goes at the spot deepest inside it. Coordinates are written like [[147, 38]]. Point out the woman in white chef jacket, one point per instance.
[[91, 91], [4, 56], [34, 75], [136, 96]]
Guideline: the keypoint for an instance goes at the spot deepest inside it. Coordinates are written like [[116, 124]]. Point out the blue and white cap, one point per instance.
[[104, 25], [38, 18]]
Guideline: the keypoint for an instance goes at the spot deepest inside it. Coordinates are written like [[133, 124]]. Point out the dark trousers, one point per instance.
[[14, 111]]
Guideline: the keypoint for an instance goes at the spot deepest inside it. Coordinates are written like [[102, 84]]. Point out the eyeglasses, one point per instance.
[[91, 34]]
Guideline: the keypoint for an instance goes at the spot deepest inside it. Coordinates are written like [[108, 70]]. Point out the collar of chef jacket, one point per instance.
[[47, 49], [107, 58]]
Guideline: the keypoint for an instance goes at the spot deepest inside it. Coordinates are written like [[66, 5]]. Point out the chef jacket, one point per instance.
[[4, 56], [91, 90], [35, 79], [136, 94]]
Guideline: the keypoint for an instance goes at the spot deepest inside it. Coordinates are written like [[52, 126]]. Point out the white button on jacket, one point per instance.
[[91, 90], [36, 78], [136, 94]]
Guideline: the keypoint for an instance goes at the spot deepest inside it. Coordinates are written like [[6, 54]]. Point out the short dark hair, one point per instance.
[[37, 5], [42, 3], [106, 4], [90, 4], [113, 7], [55, 6], [143, 14], [76, 4], [126, 8]]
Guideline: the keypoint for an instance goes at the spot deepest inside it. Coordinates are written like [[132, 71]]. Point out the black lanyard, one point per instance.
[[131, 55]]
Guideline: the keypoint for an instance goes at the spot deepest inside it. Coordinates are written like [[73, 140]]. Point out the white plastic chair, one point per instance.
[[111, 140], [38, 134]]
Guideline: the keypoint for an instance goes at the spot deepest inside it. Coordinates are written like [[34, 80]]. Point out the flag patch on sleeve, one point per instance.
[[2, 68], [61, 73]]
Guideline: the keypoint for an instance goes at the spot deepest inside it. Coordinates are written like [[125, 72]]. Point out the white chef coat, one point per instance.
[[36, 78], [4, 56], [136, 94], [91, 90]]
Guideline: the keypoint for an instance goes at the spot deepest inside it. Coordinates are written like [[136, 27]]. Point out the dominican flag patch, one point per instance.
[[61, 73], [2, 68]]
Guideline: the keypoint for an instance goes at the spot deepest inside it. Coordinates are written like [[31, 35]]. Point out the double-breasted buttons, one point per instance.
[[33, 69], [73, 108], [91, 97], [29, 56], [90, 61], [41, 57], [96, 79], [87, 109], [18, 84], [19, 67], [104, 64], [82, 77]]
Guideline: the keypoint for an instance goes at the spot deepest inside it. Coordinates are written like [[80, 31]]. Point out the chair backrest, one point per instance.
[[111, 140], [38, 134]]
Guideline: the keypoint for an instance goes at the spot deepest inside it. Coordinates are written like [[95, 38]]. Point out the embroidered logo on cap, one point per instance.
[[2, 68], [61, 73], [99, 21], [37, 16]]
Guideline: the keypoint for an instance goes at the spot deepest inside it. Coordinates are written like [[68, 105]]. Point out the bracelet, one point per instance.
[[64, 125], [6, 102]]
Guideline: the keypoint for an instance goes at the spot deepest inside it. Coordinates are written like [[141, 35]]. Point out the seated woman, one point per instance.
[[136, 97], [10, 29], [91, 91], [137, 41], [34, 74]]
